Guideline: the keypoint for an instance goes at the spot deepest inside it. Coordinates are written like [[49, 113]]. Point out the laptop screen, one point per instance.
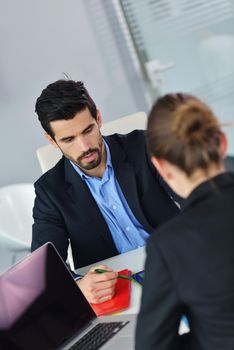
[[40, 304]]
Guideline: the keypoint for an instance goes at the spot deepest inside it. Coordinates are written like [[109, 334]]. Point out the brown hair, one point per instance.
[[184, 131]]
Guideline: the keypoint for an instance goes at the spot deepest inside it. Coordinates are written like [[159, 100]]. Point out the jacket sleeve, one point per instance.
[[161, 309], [48, 224]]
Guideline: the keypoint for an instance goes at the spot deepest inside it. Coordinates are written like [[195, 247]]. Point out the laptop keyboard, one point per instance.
[[98, 336]]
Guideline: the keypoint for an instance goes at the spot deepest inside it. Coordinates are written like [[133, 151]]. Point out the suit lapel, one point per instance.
[[80, 195], [126, 177]]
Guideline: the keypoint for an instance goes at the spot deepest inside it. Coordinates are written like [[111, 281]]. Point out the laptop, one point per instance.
[[41, 307]]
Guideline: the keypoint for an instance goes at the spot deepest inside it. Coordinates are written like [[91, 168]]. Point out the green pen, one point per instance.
[[119, 275]]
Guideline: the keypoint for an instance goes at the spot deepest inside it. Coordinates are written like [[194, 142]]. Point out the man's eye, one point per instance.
[[68, 140], [89, 129]]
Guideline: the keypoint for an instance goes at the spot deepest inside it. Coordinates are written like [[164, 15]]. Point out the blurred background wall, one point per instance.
[[127, 52]]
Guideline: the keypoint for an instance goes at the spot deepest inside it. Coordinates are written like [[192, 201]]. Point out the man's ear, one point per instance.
[[51, 140], [223, 146], [99, 119]]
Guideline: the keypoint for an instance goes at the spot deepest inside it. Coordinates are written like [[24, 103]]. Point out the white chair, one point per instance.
[[48, 155], [125, 124], [16, 203], [11, 250]]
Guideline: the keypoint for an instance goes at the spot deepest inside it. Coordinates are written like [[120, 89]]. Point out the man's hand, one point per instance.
[[98, 287]]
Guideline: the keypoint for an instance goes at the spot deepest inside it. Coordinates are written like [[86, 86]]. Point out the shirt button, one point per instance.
[[128, 228], [114, 207]]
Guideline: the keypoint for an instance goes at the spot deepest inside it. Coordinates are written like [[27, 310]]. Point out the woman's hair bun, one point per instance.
[[184, 131], [193, 122]]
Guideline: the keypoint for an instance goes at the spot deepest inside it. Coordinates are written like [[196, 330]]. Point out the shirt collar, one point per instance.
[[108, 163]]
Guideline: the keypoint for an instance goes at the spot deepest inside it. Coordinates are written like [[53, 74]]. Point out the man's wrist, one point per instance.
[[75, 276], [78, 277]]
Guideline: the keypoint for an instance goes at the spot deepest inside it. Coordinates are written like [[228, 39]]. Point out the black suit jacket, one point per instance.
[[65, 209], [190, 271]]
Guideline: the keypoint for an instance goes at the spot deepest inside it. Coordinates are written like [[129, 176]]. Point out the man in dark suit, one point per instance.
[[101, 194]]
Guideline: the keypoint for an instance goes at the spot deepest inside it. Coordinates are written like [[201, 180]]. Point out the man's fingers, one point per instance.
[[106, 276], [98, 287], [104, 298], [101, 267], [102, 285], [103, 295]]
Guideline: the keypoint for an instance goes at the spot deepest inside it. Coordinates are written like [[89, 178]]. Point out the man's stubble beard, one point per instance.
[[93, 164]]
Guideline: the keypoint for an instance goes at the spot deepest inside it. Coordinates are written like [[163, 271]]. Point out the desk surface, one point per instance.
[[133, 260]]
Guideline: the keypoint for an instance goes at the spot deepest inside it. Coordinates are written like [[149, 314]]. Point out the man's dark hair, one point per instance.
[[63, 99]]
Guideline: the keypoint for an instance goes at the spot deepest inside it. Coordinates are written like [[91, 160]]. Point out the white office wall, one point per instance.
[[39, 40]]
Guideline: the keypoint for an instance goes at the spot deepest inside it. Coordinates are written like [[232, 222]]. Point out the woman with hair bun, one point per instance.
[[190, 260]]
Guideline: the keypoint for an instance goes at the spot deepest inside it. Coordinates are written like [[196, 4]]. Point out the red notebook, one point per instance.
[[120, 300]]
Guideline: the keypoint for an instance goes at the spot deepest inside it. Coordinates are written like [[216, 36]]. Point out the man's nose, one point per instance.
[[83, 145]]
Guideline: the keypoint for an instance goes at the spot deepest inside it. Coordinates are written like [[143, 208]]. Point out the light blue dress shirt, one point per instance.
[[126, 231]]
